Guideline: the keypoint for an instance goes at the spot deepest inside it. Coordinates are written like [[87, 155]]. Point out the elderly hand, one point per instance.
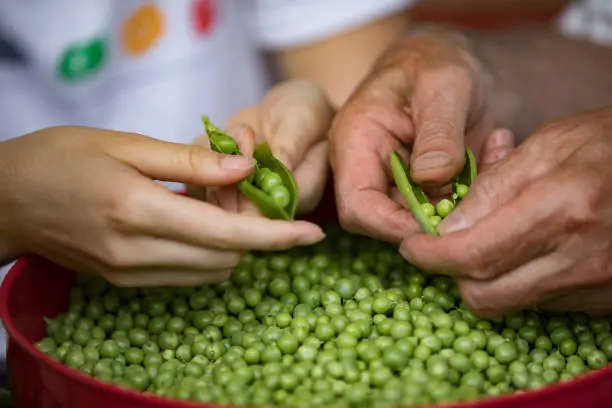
[[86, 199], [429, 92], [537, 228]]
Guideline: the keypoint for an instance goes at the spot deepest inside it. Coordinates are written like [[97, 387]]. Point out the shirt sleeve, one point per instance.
[[288, 23], [588, 19]]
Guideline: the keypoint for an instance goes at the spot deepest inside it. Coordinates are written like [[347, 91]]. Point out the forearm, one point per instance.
[[338, 64], [538, 75]]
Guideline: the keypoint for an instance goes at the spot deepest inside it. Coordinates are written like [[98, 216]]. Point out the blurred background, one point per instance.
[[489, 13]]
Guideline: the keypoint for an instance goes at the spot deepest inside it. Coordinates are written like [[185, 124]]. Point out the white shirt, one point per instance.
[[153, 67], [590, 19]]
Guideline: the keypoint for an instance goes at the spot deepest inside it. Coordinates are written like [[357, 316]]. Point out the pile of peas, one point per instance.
[[344, 323], [443, 207]]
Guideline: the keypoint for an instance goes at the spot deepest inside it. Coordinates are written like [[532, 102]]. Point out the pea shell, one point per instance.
[[215, 136], [264, 158], [414, 195], [467, 175]]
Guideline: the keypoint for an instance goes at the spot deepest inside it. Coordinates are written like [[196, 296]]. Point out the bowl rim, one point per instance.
[[146, 398]]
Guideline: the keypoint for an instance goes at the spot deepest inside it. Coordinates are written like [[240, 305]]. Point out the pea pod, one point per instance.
[[221, 142], [467, 175], [415, 196]]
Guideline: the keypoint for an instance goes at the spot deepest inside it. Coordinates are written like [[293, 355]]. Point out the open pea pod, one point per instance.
[[264, 157], [413, 194], [221, 142], [467, 175]]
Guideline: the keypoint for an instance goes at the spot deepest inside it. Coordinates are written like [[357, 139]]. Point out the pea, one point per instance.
[[280, 196], [597, 359], [506, 353], [606, 347], [463, 345], [444, 207], [109, 349], [480, 359], [271, 180], [75, 358], [435, 220], [560, 334], [102, 370], [575, 366], [462, 190]]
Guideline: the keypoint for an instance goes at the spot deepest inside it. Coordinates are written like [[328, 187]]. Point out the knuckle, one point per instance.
[[471, 296], [473, 261], [436, 133], [476, 299], [585, 204], [113, 255], [347, 217], [223, 239], [124, 211], [197, 156], [486, 191], [449, 72]]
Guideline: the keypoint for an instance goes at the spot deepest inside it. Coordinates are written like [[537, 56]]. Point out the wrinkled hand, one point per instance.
[[85, 198], [536, 228], [294, 119], [429, 92]]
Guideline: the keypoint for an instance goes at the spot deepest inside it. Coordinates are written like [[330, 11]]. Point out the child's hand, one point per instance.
[[85, 198], [294, 119]]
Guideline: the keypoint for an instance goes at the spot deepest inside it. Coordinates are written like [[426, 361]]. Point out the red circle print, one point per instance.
[[203, 14]]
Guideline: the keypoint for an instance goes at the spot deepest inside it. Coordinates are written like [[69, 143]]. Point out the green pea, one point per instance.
[[444, 207], [597, 359], [109, 349], [435, 220], [280, 196], [428, 209], [133, 355], [270, 181]]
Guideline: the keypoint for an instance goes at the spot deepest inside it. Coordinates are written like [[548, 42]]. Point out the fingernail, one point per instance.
[[237, 162], [405, 253], [454, 222], [311, 237], [432, 160], [502, 138], [499, 146]]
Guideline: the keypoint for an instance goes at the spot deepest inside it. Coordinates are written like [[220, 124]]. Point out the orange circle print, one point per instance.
[[142, 29]]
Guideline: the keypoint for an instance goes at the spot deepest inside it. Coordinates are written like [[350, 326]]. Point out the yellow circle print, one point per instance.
[[142, 29]]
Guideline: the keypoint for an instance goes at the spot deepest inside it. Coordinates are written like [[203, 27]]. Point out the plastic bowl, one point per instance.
[[36, 288]]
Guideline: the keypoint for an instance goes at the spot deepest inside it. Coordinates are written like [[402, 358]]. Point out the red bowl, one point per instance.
[[36, 288]]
